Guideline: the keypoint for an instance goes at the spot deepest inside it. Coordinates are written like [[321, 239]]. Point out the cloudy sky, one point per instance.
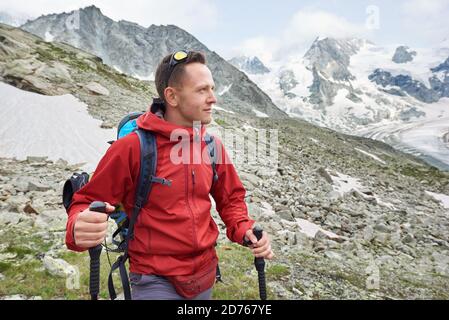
[[271, 28]]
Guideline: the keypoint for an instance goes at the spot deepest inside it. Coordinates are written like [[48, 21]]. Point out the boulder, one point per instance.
[[96, 88], [58, 267]]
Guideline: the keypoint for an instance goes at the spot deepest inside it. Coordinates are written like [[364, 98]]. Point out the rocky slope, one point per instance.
[[331, 235], [29, 63]]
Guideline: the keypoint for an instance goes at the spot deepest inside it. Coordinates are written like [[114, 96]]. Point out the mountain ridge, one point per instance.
[[136, 50]]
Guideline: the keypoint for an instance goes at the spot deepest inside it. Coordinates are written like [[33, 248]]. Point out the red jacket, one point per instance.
[[174, 233]]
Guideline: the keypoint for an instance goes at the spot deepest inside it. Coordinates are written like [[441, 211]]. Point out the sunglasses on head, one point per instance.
[[176, 58]]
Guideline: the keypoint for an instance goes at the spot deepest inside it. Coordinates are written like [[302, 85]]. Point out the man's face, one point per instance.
[[195, 96]]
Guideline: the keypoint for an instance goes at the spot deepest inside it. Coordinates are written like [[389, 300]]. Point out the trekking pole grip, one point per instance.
[[94, 253], [259, 263]]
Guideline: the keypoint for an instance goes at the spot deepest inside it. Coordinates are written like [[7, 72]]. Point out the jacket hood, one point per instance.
[[156, 123]]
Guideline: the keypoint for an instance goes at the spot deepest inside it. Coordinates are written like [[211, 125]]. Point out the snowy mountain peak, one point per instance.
[[328, 59], [337, 49], [92, 8], [442, 67], [251, 65], [346, 84], [403, 54]]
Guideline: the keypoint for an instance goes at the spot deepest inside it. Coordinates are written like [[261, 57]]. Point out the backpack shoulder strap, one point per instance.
[[148, 164], [72, 185], [213, 153]]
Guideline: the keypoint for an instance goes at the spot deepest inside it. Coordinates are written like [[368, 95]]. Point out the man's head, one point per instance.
[[186, 85]]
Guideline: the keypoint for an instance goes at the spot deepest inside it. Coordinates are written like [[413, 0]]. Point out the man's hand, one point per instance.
[[91, 227], [261, 248]]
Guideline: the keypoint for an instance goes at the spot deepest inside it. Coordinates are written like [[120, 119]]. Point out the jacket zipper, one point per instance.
[[190, 208], [193, 189]]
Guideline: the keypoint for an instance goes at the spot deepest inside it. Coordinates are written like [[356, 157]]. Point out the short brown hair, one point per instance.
[[162, 71]]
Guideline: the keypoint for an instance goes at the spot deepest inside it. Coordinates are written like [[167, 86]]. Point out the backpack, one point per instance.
[[148, 165]]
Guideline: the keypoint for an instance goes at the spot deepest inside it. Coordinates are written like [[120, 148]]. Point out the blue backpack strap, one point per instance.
[[148, 165], [213, 154]]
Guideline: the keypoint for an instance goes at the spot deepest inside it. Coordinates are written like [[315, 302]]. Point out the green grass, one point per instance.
[[4, 266], [44, 55], [26, 276], [50, 52], [239, 276], [120, 79], [27, 279], [19, 250], [438, 285], [428, 173], [221, 122], [81, 261], [277, 272], [30, 278]]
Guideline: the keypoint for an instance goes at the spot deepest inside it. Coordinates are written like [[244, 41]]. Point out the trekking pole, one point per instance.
[[95, 252], [259, 263]]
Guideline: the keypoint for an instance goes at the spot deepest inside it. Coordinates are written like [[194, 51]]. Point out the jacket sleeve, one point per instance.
[[111, 181], [229, 195]]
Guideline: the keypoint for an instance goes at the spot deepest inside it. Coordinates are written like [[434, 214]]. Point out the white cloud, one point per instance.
[[262, 47], [39, 7], [426, 19], [303, 28], [192, 15], [306, 25], [424, 7]]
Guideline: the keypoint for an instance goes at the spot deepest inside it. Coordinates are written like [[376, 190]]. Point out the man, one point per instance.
[[174, 236]]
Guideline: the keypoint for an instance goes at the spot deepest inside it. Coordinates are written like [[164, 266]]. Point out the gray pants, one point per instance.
[[152, 287]]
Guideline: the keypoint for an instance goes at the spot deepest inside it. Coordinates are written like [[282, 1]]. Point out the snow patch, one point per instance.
[[260, 114], [310, 229], [222, 109], [444, 199], [48, 36], [143, 78], [441, 75], [343, 183], [385, 204], [225, 89], [370, 155], [52, 126], [247, 127], [117, 69]]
